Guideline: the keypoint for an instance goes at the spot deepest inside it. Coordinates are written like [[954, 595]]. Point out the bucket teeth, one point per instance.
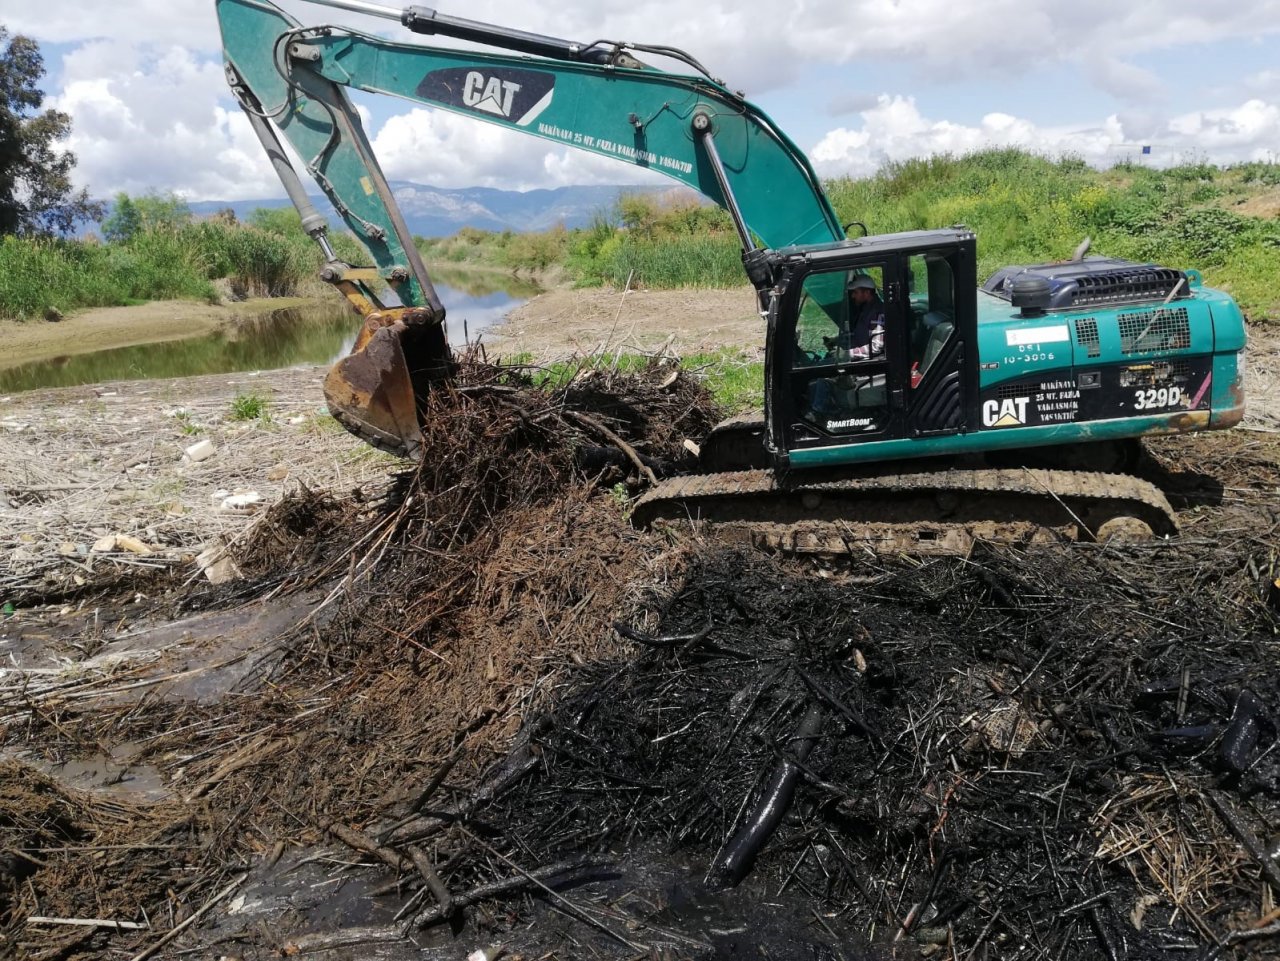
[[378, 390]]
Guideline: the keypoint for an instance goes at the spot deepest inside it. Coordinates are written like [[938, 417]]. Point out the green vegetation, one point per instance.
[[156, 250], [187, 424], [473, 247], [250, 407], [735, 380], [1024, 208], [1027, 209]]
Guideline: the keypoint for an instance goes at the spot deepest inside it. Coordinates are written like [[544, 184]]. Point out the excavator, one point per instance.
[[1005, 411]]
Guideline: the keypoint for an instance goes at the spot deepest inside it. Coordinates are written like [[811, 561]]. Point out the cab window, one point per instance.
[[840, 339], [841, 318], [931, 302]]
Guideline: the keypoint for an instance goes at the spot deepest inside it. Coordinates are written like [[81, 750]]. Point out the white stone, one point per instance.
[[242, 501], [201, 450], [217, 566]]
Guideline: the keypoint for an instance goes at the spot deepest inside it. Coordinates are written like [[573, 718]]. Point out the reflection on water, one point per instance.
[[318, 334], [481, 283], [278, 339]]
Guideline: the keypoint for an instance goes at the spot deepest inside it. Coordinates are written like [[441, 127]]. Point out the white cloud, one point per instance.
[[939, 37], [895, 130], [150, 109], [152, 124], [438, 148], [1248, 132]]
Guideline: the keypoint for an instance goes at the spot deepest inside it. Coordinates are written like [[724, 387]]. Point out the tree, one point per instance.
[[36, 194], [132, 215]]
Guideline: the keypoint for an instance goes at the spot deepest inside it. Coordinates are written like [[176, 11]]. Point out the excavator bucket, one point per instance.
[[378, 390]]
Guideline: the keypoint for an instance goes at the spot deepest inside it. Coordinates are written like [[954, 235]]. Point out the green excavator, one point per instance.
[[904, 406]]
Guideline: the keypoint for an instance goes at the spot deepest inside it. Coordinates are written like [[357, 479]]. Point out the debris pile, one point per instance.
[[443, 609], [495, 691], [1029, 752]]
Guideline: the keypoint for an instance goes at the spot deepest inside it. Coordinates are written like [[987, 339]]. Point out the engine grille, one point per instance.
[[1147, 331], [1134, 284], [1087, 336]]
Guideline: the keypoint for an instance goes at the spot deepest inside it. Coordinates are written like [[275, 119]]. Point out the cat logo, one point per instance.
[[1010, 412], [491, 94], [503, 93]]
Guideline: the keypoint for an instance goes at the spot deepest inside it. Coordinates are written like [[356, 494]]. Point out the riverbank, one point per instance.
[[106, 328], [557, 323]]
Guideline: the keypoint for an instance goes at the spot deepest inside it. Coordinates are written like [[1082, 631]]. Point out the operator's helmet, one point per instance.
[[862, 282]]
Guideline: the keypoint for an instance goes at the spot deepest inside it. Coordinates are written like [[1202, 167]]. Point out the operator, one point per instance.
[[860, 338], [866, 319]]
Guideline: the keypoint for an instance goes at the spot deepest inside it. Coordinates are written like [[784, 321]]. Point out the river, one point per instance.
[[317, 334]]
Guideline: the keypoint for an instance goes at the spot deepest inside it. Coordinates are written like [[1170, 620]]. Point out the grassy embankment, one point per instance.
[[1024, 208], [178, 257]]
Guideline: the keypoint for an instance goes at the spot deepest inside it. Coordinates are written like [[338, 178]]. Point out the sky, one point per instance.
[[855, 83]]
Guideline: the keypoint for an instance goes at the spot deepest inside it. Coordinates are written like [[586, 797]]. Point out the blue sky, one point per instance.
[[854, 84]]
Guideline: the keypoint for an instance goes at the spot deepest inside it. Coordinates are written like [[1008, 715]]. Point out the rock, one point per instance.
[[67, 549], [241, 501], [131, 544], [202, 450], [217, 566], [104, 545]]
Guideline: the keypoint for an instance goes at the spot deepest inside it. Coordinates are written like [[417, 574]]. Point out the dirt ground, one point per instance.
[[1023, 754], [563, 322]]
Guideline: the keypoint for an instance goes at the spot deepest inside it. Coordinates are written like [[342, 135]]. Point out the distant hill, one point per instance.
[[440, 212]]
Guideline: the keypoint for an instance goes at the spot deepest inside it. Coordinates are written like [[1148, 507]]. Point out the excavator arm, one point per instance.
[[292, 82]]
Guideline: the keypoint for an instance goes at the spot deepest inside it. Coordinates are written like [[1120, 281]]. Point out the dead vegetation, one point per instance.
[[549, 728]]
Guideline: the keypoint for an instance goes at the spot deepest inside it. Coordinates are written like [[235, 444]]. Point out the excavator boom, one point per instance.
[[292, 81]]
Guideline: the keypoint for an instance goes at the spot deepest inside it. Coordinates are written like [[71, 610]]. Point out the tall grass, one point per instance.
[[1023, 207], [166, 261]]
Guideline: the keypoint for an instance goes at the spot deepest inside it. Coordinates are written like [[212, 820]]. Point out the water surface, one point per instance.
[[316, 334]]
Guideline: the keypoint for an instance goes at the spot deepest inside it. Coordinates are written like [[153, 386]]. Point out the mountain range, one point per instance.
[[440, 211]]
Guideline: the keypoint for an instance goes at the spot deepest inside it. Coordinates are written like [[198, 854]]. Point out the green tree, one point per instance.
[[36, 193], [124, 221], [132, 215]]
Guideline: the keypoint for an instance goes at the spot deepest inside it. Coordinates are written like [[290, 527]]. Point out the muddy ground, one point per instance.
[[480, 678]]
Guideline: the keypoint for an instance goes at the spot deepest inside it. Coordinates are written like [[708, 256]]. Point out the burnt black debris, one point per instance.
[[985, 749]]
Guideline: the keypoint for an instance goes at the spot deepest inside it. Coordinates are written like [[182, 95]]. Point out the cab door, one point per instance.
[[839, 365], [938, 321], [832, 386]]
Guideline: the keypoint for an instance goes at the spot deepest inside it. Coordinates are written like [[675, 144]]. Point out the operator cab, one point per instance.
[[868, 341]]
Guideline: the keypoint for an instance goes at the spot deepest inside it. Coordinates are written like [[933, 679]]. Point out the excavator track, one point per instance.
[[929, 512]]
